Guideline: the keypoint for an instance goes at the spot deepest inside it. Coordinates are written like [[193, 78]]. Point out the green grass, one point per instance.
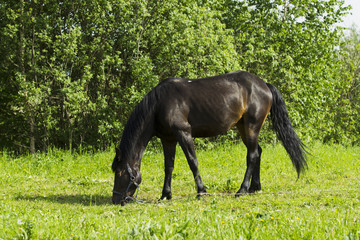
[[63, 196]]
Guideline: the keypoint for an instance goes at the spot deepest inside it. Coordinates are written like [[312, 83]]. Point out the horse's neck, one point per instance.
[[140, 128], [140, 140], [140, 147]]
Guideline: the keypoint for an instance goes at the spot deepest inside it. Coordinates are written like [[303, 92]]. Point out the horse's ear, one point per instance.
[[118, 153]]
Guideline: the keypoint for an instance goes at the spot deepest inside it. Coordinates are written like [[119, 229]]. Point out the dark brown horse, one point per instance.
[[177, 110]]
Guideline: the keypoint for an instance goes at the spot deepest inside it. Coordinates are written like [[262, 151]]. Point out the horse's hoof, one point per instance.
[[255, 188], [200, 195], [252, 191], [168, 196], [241, 192]]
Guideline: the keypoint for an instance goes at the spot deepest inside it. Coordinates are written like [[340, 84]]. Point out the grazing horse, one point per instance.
[[178, 110]]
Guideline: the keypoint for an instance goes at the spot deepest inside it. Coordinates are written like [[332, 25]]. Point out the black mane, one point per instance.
[[136, 123]]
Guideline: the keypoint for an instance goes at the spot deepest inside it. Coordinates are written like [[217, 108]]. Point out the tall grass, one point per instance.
[[60, 195]]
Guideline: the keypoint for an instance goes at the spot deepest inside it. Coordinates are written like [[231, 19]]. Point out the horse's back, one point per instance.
[[208, 106]]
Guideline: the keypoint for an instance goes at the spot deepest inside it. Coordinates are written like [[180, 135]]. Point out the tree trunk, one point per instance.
[[28, 110]]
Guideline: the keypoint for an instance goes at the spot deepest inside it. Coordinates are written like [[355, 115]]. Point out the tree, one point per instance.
[[292, 44], [72, 71], [348, 115]]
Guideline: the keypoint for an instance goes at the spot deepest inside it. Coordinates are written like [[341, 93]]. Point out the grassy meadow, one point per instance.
[[60, 195]]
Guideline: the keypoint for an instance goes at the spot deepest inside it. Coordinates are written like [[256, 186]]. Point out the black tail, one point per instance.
[[285, 131]]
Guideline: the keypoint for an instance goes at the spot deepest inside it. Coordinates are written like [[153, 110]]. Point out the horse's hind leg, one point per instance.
[[255, 180], [169, 154], [249, 134]]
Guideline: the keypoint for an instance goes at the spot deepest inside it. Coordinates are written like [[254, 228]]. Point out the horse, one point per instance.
[[178, 110]]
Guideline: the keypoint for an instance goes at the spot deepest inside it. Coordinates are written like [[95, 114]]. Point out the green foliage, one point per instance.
[[66, 195], [291, 45], [71, 73], [350, 60]]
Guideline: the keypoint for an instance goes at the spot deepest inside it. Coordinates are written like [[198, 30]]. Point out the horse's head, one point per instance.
[[127, 180]]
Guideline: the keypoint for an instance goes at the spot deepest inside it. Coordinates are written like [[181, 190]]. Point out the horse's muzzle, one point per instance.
[[118, 201]]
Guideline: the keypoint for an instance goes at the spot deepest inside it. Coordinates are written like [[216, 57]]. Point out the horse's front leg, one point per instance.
[[169, 154], [186, 142]]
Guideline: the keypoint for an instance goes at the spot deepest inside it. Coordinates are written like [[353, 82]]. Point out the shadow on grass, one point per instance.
[[81, 199]]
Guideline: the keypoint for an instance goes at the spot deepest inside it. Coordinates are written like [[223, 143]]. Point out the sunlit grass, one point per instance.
[[67, 196]]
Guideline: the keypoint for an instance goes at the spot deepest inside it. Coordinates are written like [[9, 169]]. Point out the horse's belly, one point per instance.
[[208, 132], [212, 128]]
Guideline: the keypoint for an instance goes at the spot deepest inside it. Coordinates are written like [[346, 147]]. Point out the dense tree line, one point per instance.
[[71, 71]]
